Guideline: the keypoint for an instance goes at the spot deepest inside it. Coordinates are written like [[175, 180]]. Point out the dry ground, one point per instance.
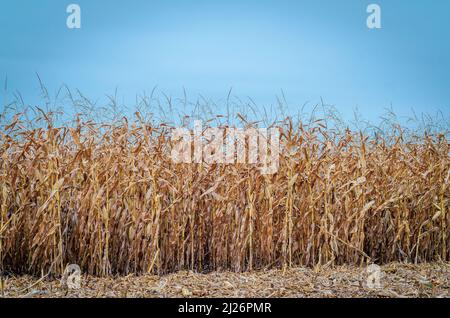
[[399, 280]]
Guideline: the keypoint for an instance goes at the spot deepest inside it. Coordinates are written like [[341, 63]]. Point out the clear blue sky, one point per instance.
[[309, 49]]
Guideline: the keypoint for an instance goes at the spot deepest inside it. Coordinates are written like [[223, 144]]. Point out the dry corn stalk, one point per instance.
[[110, 199]]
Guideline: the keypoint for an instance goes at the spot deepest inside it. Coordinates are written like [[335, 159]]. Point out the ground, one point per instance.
[[397, 280]]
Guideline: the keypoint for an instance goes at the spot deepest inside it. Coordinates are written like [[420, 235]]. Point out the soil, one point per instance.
[[396, 280]]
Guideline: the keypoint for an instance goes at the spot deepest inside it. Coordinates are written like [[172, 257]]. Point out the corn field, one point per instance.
[[109, 198]]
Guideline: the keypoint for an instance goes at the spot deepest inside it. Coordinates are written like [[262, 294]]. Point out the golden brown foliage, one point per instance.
[[110, 199]]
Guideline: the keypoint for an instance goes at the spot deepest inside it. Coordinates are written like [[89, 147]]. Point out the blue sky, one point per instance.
[[309, 49]]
